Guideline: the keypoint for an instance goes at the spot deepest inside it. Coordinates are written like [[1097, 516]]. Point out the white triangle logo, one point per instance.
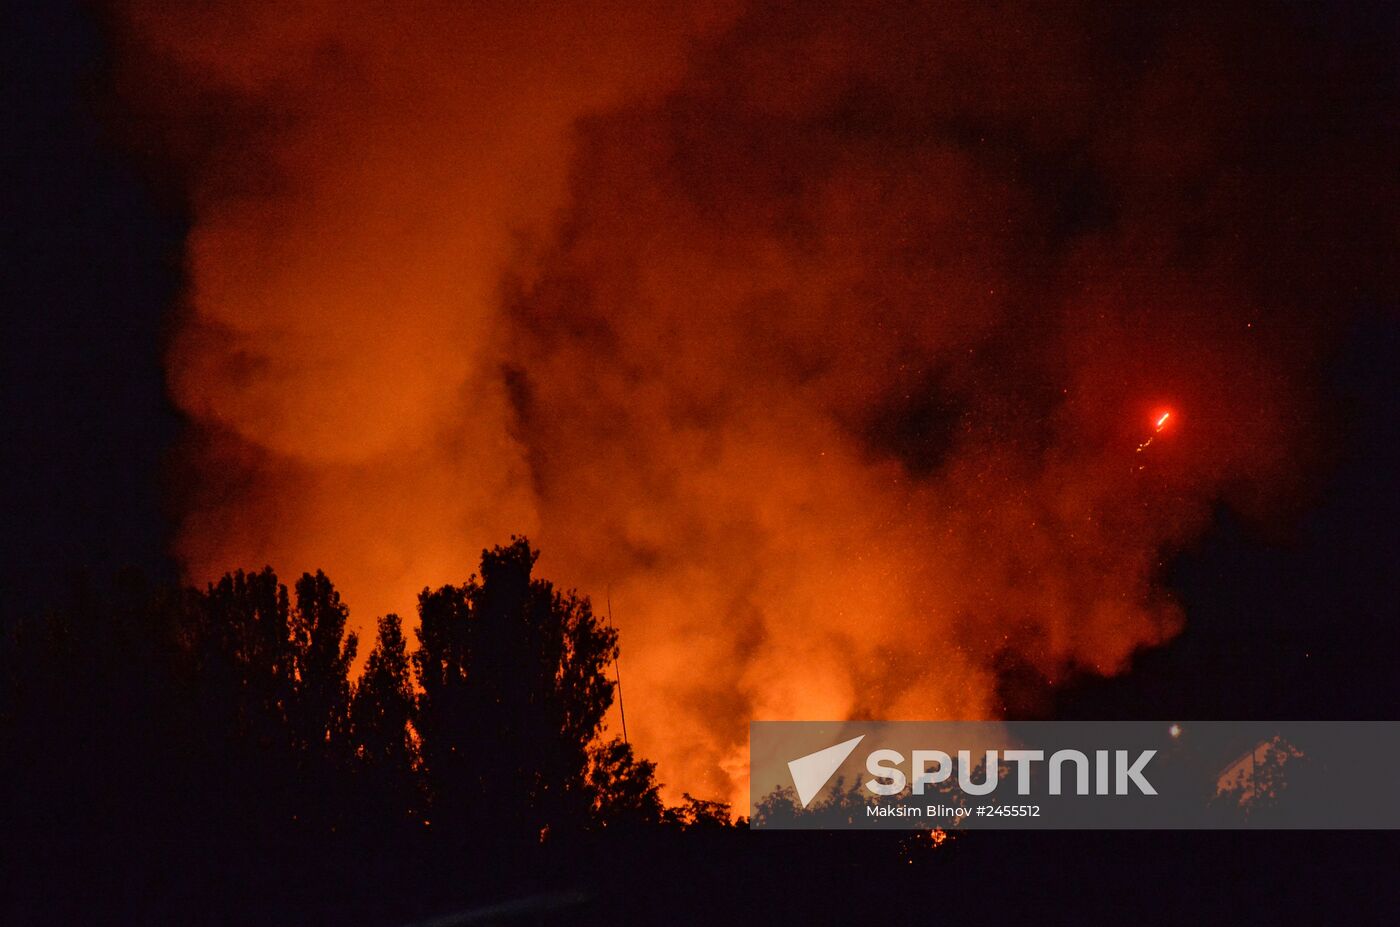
[[811, 772]]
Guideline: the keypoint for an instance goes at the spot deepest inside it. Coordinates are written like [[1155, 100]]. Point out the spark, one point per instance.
[[1157, 425], [1175, 731]]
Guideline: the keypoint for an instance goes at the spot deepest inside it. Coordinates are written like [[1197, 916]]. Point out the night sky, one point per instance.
[[91, 265], [1294, 623]]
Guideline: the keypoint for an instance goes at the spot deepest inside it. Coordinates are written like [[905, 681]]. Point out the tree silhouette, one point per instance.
[[322, 654], [695, 812], [513, 693], [625, 791], [381, 709], [209, 746], [238, 680], [444, 711], [381, 717]]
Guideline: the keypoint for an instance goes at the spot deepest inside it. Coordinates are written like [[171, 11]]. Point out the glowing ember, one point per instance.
[[1158, 424]]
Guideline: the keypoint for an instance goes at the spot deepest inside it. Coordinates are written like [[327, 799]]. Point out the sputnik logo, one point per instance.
[[811, 772]]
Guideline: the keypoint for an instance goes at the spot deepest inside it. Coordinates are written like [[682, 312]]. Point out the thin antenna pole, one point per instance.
[[617, 671]]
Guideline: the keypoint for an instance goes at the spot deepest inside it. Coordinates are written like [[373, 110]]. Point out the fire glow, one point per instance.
[[634, 283]]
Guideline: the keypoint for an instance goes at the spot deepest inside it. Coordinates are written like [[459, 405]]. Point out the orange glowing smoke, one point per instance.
[[813, 333]]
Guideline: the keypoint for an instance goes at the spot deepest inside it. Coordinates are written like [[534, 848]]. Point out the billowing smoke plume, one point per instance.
[[823, 338]]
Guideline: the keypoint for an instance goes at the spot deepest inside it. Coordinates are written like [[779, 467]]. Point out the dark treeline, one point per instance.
[[180, 756], [169, 749]]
